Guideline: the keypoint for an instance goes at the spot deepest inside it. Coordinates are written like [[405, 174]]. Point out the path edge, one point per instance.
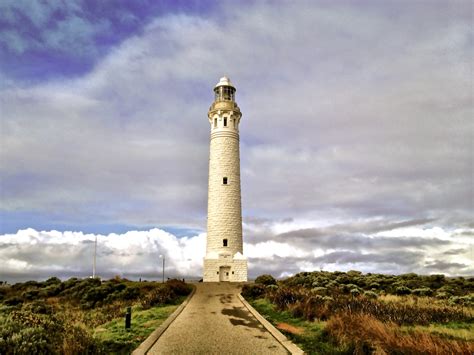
[[291, 347], [148, 343]]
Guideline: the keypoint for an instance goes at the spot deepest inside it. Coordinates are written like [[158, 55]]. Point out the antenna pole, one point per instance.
[[95, 256]]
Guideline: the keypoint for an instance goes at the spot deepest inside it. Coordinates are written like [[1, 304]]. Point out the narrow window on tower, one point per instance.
[[224, 181], [215, 122], [224, 242], [225, 121]]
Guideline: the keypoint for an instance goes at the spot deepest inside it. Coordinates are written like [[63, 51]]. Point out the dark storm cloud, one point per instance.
[[405, 258], [455, 251], [341, 236], [442, 266]]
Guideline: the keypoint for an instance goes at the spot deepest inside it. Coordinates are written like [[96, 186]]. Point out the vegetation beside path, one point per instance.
[[346, 313], [83, 315]]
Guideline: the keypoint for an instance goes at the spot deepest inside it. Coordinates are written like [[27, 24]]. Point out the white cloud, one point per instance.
[[66, 254], [134, 254]]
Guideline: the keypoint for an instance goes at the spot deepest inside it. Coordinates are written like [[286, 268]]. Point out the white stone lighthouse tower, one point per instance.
[[224, 260]]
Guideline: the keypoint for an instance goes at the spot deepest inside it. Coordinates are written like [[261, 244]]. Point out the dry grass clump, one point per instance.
[[376, 314], [305, 304], [365, 334]]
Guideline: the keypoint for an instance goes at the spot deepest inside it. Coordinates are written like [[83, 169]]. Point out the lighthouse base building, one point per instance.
[[224, 260], [231, 268]]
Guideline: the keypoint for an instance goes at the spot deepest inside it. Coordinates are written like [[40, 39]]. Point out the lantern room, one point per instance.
[[224, 90]]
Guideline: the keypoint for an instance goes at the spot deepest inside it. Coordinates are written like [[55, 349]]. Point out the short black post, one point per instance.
[[128, 318]]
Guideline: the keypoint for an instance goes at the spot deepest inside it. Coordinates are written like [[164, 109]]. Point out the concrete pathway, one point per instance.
[[216, 322]]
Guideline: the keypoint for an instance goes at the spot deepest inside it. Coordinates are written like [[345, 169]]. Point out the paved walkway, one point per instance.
[[216, 322]]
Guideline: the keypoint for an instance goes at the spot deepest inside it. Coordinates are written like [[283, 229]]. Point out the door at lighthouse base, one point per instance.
[[224, 272]]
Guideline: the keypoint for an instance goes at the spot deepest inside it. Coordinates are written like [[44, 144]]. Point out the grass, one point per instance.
[[312, 338], [144, 322], [363, 333], [83, 316], [366, 334], [452, 330]]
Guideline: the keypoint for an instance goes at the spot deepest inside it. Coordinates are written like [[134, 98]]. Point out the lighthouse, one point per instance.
[[224, 260]]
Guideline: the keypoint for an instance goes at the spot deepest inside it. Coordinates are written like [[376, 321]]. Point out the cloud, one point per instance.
[[136, 254], [30, 253], [51, 39], [362, 141], [356, 127], [54, 26]]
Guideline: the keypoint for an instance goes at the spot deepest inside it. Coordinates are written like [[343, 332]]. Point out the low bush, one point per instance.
[[178, 287], [161, 295], [286, 296], [265, 280], [425, 291], [371, 294], [55, 317], [355, 292], [402, 290], [253, 291], [467, 300], [13, 301]]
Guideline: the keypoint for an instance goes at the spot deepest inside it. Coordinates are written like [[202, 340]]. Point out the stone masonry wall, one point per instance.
[[238, 269], [224, 202], [224, 212]]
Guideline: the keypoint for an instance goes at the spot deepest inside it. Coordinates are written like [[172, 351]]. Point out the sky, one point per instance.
[[356, 138]]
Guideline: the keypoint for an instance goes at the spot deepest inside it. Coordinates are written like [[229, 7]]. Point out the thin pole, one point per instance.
[[95, 257], [163, 269]]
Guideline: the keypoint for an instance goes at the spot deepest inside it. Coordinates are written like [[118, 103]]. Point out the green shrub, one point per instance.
[[355, 292], [253, 291], [370, 294], [13, 301], [375, 285], [53, 290], [425, 291], [402, 290], [347, 288], [71, 282], [272, 287], [30, 295], [265, 280], [467, 300], [332, 284], [442, 295], [38, 307], [161, 295], [178, 287], [30, 341], [285, 296], [129, 293], [52, 281]]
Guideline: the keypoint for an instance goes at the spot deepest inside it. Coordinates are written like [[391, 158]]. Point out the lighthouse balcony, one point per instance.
[[224, 105]]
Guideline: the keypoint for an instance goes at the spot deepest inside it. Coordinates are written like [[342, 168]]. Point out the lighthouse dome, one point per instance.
[[224, 81]]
